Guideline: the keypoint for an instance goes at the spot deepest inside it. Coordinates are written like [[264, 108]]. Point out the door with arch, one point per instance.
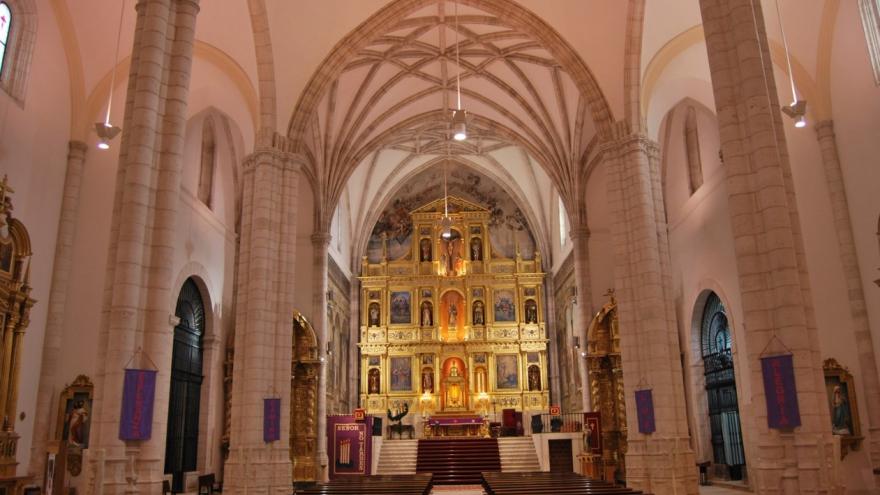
[[724, 423], [182, 437]]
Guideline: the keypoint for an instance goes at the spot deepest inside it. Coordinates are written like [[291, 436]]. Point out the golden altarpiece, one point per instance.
[[15, 306], [453, 326], [606, 386]]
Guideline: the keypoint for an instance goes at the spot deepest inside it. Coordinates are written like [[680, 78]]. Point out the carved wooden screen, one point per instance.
[[305, 366], [181, 447]]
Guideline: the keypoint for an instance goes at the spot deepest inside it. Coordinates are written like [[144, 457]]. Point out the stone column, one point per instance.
[[776, 299], [320, 245], [580, 239], [661, 462], [138, 299], [855, 290], [264, 323], [49, 379], [552, 348]]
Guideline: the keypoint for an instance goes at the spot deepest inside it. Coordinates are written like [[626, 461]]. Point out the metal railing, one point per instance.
[[562, 423]]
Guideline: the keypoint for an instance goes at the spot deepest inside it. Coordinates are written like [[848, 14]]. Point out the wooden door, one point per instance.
[[560, 456]]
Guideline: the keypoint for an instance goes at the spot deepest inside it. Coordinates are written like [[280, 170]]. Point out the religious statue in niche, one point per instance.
[[425, 250], [373, 381], [451, 263], [374, 314], [427, 380], [479, 317], [476, 249], [531, 311], [534, 378], [427, 314], [841, 392], [453, 316]]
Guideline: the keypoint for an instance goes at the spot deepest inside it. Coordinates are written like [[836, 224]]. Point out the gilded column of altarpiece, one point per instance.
[[452, 326]]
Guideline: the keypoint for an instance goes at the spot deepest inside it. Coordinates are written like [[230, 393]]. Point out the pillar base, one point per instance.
[[661, 465], [259, 470]]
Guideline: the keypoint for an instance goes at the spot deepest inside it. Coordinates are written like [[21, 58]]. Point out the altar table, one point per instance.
[[456, 426]]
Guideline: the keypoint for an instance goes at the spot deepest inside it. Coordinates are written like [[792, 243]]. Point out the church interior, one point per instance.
[[578, 246]]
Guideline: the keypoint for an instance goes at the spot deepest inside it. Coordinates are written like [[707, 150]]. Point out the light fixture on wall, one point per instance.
[[459, 116], [797, 109], [105, 130]]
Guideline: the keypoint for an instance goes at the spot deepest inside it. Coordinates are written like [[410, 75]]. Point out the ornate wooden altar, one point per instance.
[[15, 306], [456, 426], [606, 385], [450, 325]]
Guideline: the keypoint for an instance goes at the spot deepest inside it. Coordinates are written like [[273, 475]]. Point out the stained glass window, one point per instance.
[[562, 222], [5, 23]]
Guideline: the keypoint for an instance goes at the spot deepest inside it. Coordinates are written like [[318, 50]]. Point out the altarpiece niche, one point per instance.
[[465, 332]]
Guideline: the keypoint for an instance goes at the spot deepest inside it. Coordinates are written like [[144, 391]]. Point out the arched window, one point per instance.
[[563, 227], [727, 443], [209, 154], [5, 26], [181, 445]]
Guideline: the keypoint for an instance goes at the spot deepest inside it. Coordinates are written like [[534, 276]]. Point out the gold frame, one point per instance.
[[839, 376]]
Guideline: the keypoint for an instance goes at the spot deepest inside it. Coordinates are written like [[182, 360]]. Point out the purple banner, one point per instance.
[[783, 412], [138, 394], [645, 411], [350, 445], [271, 420]]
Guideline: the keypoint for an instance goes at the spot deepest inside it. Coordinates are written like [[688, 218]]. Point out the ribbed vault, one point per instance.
[[395, 86]]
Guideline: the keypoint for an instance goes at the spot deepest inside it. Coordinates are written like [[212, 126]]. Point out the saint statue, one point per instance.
[[76, 422], [476, 251], [373, 382], [479, 319], [453, 371], [427, 380], [374, 315], [840, 417], [453, 315], [426, 315]]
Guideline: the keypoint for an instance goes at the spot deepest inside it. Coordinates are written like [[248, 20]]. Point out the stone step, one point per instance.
[[518, 455]]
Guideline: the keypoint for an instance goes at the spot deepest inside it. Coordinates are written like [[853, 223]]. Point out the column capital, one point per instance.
[[579, 233], [274, 156], [626, 142], [824, 128], [77, 149], [321, 239]]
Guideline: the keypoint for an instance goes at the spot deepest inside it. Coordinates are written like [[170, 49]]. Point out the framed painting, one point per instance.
[[401, 374], [505, 310], [373, 360], [506, 371], [401, 307], [841, 392]]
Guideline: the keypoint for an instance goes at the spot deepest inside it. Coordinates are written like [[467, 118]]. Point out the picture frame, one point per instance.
[[842, 405], [400, 372], [504, 305], [506, 372], [401, 307]]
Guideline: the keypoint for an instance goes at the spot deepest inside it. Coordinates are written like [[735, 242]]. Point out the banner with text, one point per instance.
[[645, 411], [783, 412], [138, 395], [350, 445]]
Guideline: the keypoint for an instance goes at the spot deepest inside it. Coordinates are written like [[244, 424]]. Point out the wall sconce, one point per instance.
[[577, 342], [329, 348]]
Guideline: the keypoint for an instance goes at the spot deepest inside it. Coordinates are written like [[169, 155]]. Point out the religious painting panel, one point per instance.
[[401, 374], [395, 229], [373, 360], [506, 371], [401, 311], [427, 359], [505, 308]]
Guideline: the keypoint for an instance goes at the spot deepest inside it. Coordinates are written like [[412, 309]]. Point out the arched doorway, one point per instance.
[[304, 370], [715, 342], [182, 437]]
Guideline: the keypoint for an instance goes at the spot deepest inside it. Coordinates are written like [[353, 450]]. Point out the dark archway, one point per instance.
[[715, 341], [182, 439]]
